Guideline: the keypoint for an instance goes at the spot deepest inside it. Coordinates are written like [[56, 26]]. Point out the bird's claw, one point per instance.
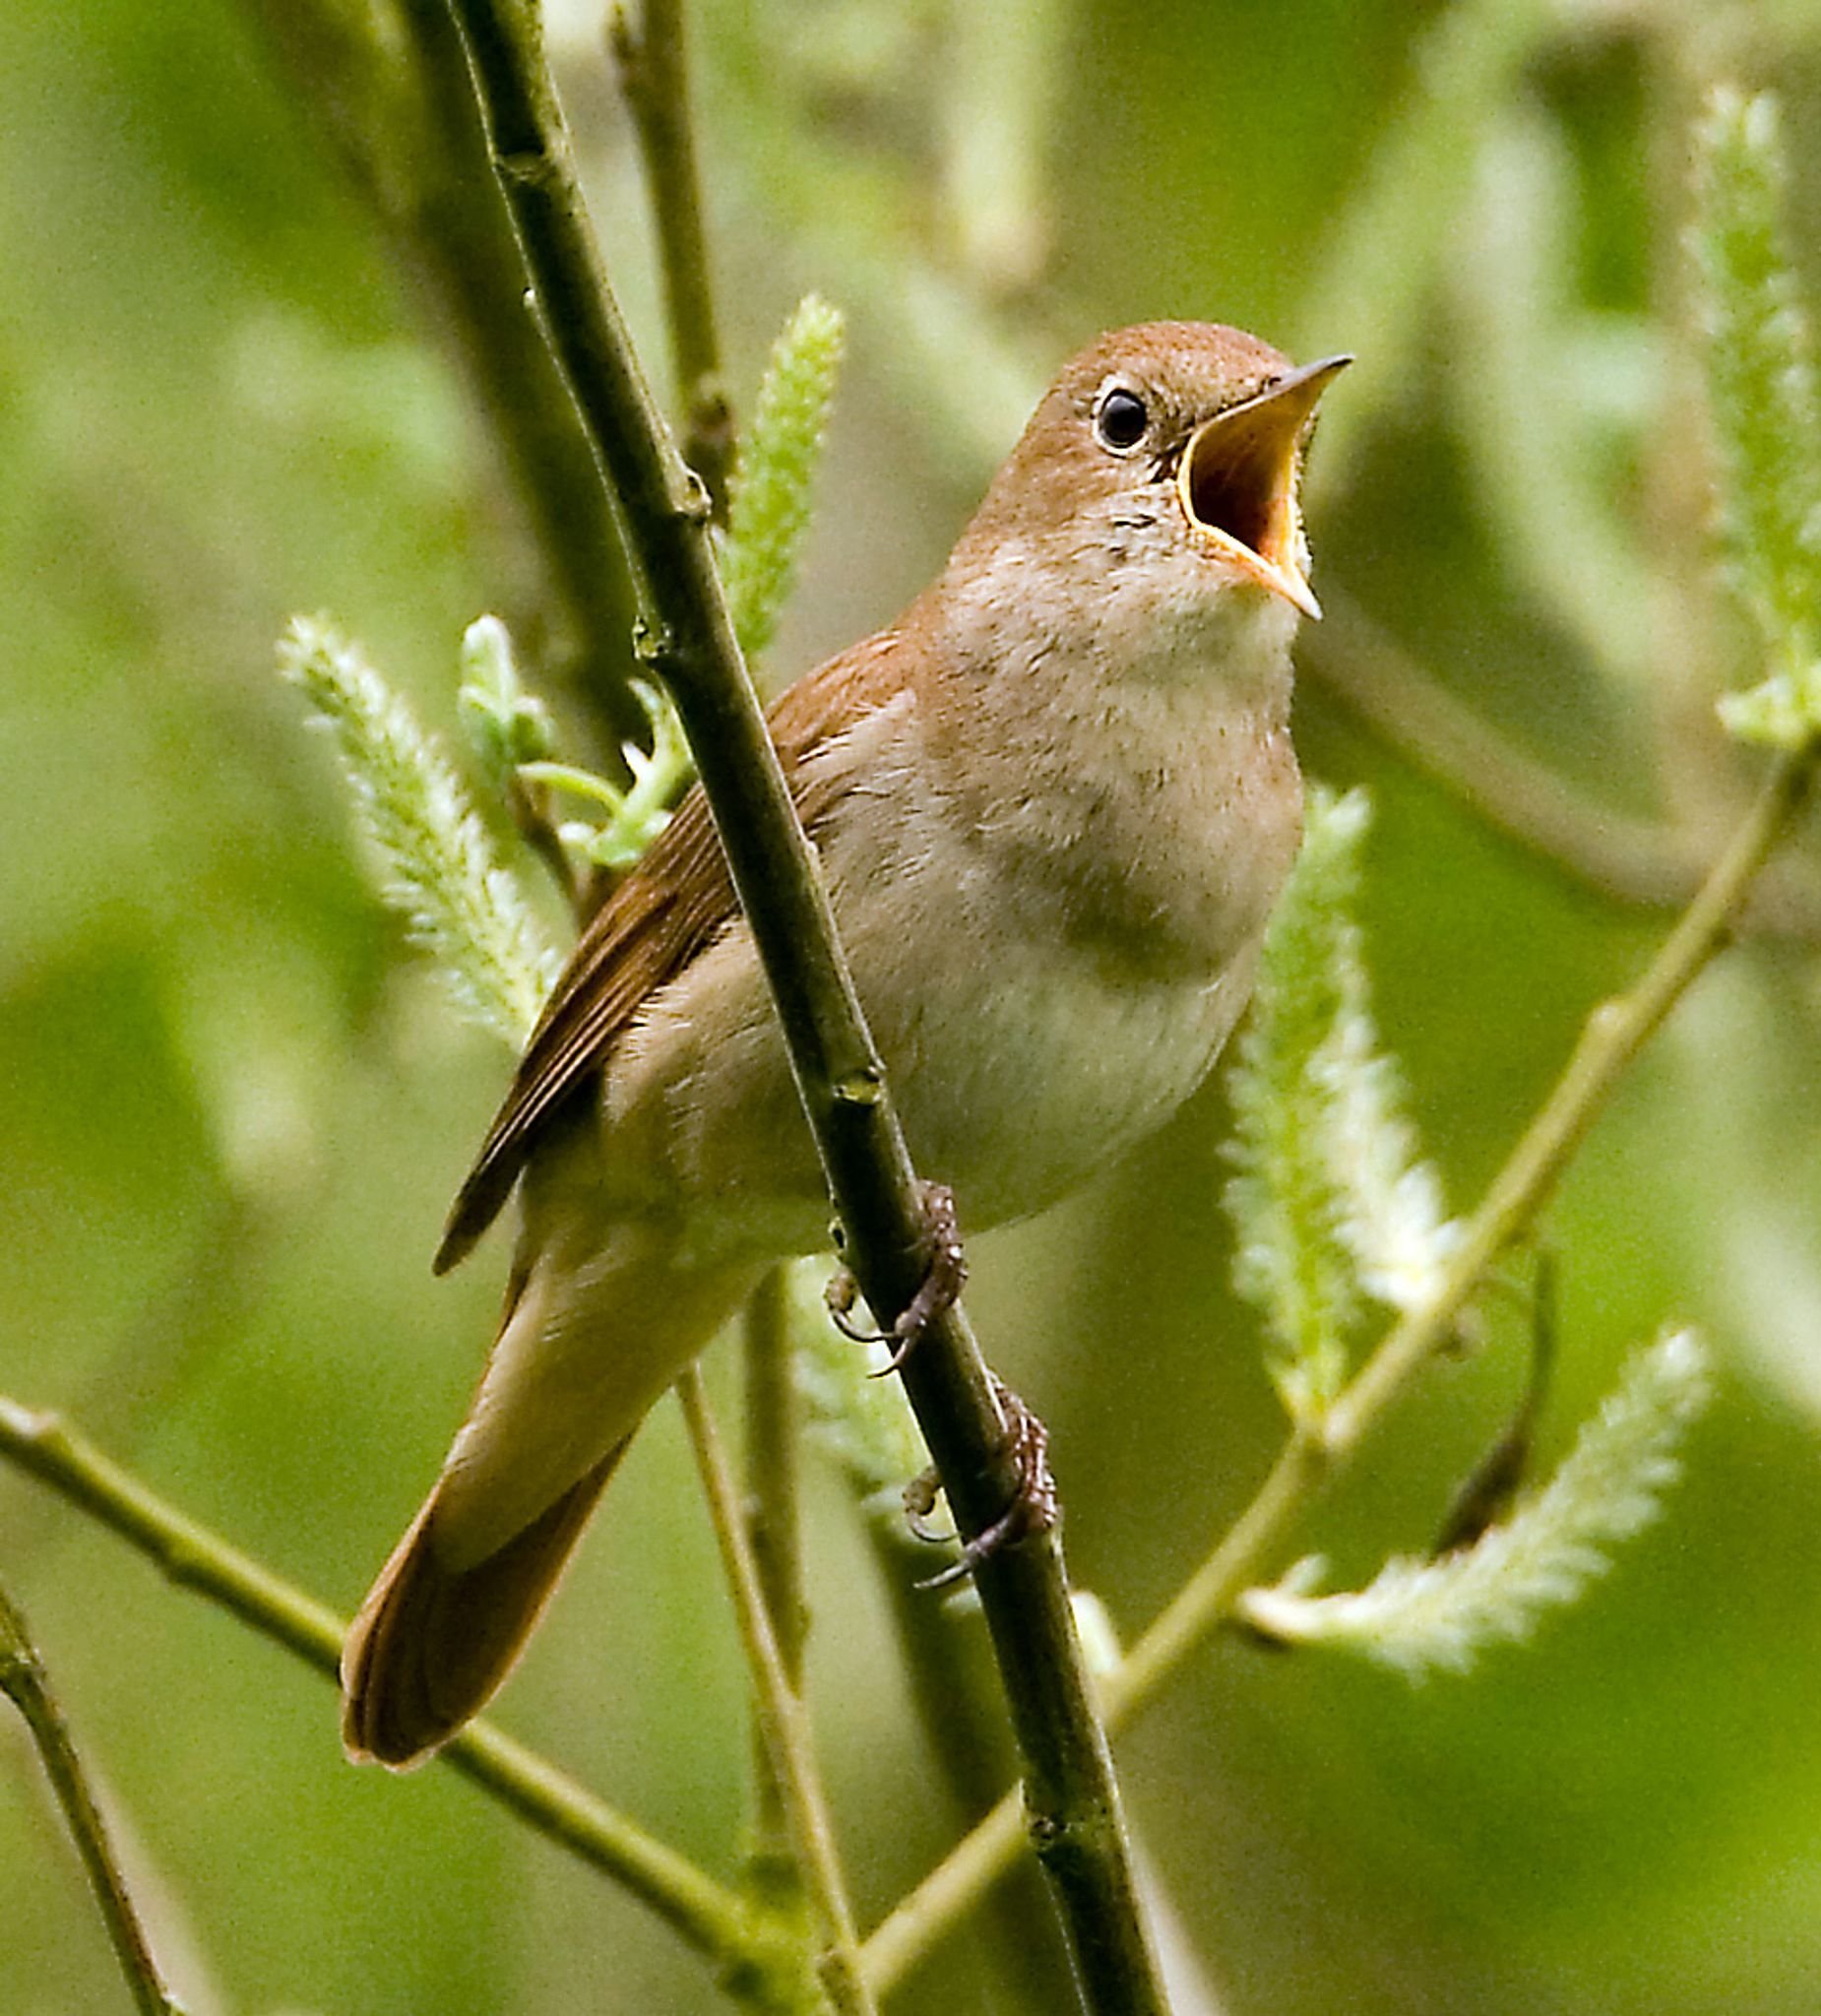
[[1034, 1508], [945, 1273], [921, 1495]]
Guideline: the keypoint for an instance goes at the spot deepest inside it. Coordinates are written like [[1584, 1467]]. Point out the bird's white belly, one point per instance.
[[1015, 1074], [1020, 1060], [1019, 1075], [1028, 1035]]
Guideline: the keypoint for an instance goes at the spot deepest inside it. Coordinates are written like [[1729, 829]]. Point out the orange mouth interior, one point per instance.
[[1237, 479]]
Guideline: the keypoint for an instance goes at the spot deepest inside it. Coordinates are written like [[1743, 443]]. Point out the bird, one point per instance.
[[1054, 802]]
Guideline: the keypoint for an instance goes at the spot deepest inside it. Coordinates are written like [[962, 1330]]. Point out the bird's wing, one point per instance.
[[670, 907]]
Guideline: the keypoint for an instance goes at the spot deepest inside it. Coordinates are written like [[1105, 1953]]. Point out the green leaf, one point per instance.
[[1767, 421], [768, 494], [439, 872], [635, 817], [1331, 1202], [505, 725], [1419, 1617]]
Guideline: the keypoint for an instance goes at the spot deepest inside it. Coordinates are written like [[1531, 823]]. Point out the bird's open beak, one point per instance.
[[1238, 481]]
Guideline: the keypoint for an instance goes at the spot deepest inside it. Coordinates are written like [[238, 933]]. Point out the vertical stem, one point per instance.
[[774, 1530], [651, 56], [24, 1681], [782, 1717], [652, 60], [1071, 1793]]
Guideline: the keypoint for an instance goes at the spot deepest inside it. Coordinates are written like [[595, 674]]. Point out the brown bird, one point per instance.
[[1054, 803]]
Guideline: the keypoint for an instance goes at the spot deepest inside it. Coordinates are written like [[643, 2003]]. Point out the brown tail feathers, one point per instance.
[[431, 1645]]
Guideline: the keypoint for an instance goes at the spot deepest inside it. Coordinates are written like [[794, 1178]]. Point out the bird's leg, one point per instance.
[[945, 1271], [1034, 1508]]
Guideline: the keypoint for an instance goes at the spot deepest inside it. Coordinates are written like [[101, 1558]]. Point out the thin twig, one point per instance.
[[530, 806], [1070, 1790], [712, 1918], [25, 1684], [653, 58], [651, 54], [1314, 1457], [773, 1516], [782, 1721]]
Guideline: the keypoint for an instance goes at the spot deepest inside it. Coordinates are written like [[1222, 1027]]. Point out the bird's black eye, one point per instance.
[[1121, 419]]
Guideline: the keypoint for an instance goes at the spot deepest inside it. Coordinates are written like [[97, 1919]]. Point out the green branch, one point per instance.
[[761, 495], [1070, 1790], [1315, 1456], [712, 1919], [1762, 390], [772, 1518], [654, 69], [783, 1723], [24, 1681]]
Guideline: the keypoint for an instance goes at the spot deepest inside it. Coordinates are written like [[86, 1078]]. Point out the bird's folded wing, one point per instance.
[[669, 909]]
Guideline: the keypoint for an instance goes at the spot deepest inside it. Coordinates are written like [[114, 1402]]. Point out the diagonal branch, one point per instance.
[[783, 1723], [712, 1918], [1644, 861], [1070, 1790], [24, 1681]]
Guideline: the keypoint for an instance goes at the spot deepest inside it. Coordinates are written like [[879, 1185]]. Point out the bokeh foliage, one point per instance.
[[236, 1108]]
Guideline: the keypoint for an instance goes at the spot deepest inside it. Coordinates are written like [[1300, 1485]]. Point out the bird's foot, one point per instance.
[[945, 1272], [1034, 1508]]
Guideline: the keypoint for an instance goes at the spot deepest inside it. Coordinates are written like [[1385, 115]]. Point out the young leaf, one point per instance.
[[1761, 387], [635, 817], [1421, 1615], [1330, 1200], [510, 733], [769, 508], [505, 725], [438, 869]]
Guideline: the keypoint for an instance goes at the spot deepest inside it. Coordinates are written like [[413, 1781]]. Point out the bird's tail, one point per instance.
[[433, 1643], [596, 1329]]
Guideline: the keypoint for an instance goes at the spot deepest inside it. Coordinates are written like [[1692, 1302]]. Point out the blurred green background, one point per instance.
[[235, 1108]]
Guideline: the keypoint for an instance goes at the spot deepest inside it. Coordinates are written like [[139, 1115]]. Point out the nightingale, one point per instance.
[[1054, 802]]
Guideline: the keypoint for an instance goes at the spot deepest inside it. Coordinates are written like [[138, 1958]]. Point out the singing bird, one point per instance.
[[1054, 802]]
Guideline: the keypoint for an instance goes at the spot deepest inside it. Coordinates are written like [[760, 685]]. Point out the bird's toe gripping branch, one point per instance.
[[1033, 1504], [945, 1274]]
